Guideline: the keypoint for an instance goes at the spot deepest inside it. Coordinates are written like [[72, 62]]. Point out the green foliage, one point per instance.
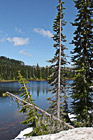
[[41, 123], [33, 117], [10, 67], [57, 80], [83, 63]]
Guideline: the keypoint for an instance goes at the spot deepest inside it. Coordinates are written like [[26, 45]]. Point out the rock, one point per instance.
[[22, 133], [72, 117], [83, 133]]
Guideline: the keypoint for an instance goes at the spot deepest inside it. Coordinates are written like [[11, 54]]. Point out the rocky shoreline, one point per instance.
[[83, 133]]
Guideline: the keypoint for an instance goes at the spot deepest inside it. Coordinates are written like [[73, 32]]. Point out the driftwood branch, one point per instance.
[[39, 109]]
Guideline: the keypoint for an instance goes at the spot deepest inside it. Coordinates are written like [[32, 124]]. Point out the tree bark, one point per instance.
[[59, 70]]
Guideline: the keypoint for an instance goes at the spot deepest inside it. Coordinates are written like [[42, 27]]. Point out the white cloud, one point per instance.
[[18, 41], [43, 32], [24, 53], [19, 30]]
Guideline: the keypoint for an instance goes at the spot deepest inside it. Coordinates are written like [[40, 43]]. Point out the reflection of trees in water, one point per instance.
[[32, 90], [14, 91], [47, 88], [42, 88], [12, 87], [36, 87], [38, 90]]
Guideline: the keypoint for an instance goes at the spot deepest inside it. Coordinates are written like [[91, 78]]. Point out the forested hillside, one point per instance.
[[9, 70]]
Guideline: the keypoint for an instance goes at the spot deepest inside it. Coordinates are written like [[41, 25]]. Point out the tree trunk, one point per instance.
[[59, 70]]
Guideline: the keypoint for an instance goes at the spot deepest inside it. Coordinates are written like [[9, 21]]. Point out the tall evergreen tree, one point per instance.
[[83, 62], [57, 79]]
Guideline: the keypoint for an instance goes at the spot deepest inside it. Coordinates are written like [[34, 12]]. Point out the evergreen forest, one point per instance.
[[56, 118], [9, 70]]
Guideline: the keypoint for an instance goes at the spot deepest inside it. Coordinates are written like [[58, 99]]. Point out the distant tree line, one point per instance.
[[9, 70]]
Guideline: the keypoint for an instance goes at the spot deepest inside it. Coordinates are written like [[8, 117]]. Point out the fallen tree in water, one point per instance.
[[41, 121], [39, 109]]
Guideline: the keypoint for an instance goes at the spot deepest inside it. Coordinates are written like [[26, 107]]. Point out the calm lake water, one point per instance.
[[9, 117]]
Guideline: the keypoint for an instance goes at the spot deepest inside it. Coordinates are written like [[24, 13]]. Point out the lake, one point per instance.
[[9, 117]]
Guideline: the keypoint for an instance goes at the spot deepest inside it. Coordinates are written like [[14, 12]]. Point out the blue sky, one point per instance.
[[26, 27]]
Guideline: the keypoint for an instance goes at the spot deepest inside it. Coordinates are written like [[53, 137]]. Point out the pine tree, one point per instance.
[[33, 117], [83, 62], [57, 79]]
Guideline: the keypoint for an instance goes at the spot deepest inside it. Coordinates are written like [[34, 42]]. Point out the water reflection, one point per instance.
[[12, 87], [9, 117], [35, 87], [39, 87]]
